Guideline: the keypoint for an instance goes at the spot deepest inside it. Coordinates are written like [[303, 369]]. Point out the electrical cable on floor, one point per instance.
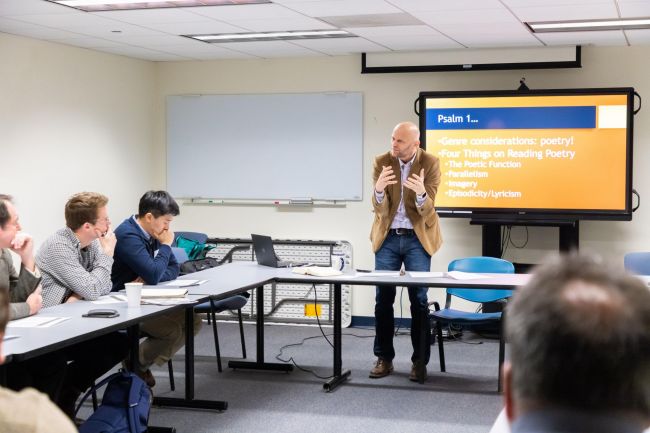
[[293, 361]]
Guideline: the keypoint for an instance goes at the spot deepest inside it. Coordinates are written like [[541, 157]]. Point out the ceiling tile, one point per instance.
[[341, 46], [270, 49], [489, 35], [282, 24], [149, 16], [20, 7], [32, 30], [534, 3], [206, 26], [205, 51], [142, 53], [63, 21], [435, 6], [632, 9], [244, 12], [605, 38], [406, 37], [330, 8], [88, 42], [464, 18], [566, 12]]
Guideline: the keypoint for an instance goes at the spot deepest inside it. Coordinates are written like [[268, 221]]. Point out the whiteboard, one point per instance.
[[265, 146]]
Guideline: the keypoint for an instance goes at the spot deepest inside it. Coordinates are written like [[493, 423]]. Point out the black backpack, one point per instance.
[[125, 406]]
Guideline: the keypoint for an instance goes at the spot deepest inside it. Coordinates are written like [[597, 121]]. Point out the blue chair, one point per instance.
[[212, 307], [637, 263], [448, 316]]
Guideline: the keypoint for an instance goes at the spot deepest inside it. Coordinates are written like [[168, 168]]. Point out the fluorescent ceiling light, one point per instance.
[[111, 5], [589, 25], [272, 36]]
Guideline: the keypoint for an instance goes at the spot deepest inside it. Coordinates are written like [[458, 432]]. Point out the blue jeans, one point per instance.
[[395, 250]]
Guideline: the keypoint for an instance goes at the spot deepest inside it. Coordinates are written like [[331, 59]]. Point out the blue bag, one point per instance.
[[125, 406]]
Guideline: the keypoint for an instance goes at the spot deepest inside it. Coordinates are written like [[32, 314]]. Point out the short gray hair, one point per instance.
[[579, 337]]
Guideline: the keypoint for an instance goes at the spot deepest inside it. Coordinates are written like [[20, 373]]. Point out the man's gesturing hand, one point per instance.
[[386, 177], [416, 183]]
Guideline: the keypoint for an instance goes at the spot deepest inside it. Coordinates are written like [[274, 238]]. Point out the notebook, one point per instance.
[[265, 254]]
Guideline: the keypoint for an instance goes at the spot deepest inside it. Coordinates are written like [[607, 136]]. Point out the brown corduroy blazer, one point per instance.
[[424, 219]]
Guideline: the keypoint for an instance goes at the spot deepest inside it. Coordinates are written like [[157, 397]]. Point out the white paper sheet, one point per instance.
[[427, 274], [458, 275], [36, 322], [184, 283], [378, 274]]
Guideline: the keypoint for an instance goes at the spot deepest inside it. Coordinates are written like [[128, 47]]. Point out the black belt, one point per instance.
[[401, 232]]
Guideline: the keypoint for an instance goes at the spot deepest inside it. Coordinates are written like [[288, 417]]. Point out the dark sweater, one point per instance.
[[134, 257]]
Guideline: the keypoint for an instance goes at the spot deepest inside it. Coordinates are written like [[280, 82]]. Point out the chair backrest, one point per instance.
[[195, 236], [481, 264], [180, 254], [637, 263]]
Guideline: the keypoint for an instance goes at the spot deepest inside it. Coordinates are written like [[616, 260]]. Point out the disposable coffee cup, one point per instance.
[[338, 262], [133, 294]]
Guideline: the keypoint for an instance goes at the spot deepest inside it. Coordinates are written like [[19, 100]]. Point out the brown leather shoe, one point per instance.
[[148, 378], [382, 368], [418, 372]]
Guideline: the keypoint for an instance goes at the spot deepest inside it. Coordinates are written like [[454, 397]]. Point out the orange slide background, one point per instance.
[[593, 179]]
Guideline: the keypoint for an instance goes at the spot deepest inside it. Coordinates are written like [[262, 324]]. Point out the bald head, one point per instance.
[[405, 141]]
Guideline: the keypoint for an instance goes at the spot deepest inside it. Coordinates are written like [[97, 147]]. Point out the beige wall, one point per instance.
[[72, 119], [388, 99]]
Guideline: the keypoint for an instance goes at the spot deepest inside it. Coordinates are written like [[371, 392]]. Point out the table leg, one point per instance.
[[339, 376], [189, 401], [259, 363]]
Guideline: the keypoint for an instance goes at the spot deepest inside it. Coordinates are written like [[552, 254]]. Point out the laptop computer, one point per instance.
[[265, 254]]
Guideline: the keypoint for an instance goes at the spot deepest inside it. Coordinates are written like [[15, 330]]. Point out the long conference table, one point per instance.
[[222, 282]]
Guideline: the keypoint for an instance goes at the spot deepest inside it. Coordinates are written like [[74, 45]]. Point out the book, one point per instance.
[[317, 271]]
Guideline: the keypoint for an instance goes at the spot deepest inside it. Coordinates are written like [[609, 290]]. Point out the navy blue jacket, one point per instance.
[[134, 257]]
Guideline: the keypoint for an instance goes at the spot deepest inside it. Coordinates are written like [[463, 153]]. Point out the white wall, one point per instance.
[[71, 120], [388, 99]]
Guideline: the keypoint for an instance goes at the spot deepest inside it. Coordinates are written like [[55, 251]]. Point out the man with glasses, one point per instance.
[[76, 261], [76, 264]]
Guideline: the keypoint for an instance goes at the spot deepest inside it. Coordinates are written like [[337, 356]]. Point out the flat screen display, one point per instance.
[[539, 154]]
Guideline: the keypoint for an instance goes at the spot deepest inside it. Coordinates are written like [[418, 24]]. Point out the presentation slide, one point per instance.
[[530, 152]]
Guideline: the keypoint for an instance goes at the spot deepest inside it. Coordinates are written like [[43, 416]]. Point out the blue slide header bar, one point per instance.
[[512, 118]]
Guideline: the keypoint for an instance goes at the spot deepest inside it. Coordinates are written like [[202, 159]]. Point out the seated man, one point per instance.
[[579, 336], [76, 263], [23, 288], [143, 253], [45, 372], [27, 410]]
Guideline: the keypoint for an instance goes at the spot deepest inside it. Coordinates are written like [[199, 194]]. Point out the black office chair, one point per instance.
[[212, 307]]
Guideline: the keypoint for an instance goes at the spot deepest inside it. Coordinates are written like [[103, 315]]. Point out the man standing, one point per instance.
[[405, 232], [76, 264], [28, 410], [143, 253], [579, 336]]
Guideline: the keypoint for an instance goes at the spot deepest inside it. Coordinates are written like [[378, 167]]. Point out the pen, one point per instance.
[[363, 270]]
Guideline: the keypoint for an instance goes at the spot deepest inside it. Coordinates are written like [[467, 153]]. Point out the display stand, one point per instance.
[[491, 244]]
